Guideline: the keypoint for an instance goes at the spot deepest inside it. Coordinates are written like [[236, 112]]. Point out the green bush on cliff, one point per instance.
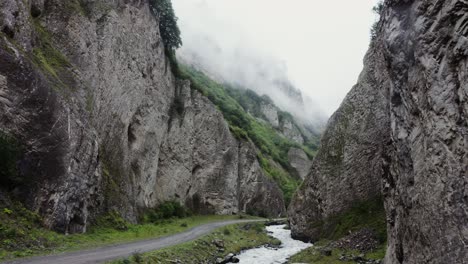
[[377, 9], [170, 32]]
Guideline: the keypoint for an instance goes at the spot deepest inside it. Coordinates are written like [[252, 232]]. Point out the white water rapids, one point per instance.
[[266, 255]]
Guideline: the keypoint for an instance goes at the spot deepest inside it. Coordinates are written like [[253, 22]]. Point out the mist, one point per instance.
[[276, 48]]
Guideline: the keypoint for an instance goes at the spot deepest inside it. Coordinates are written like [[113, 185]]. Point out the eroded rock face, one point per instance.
[[271, 114], [300, 162], [405, 124], [103, 122], [348, 166], [203, 165], [289, 130], [426, 46]]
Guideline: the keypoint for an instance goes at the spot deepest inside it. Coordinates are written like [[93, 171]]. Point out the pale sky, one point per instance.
[[322, 43]]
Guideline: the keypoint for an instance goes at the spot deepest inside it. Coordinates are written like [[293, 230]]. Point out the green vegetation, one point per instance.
[[249, 100], [243, 125], [369, 214], [230, 239], [9, 154], [286, 184], [20, 231], [315, 255], [166, 210], [22, 234], [45, 55], [170, 32]]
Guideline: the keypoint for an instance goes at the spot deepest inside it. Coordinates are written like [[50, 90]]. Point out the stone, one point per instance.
[[228, 258], [218, 243]]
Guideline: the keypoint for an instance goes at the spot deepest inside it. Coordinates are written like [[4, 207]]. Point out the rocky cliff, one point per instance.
[[404, 125], [349, 165], [102, 124], [300, 162]]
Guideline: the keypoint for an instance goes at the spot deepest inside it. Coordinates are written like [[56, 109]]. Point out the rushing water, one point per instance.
[[266, 255]]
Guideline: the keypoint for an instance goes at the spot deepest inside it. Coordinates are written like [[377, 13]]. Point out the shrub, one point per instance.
[[170, 32], [378, 9], [7, 211], [166, 210], [226, 231], [112, 220], [137, 257]]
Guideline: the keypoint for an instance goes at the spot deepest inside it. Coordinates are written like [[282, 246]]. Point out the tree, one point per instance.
[[168, 27], [378, 9]]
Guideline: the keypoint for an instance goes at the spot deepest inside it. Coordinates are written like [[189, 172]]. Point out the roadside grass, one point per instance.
[[233, 238], [21, 233]]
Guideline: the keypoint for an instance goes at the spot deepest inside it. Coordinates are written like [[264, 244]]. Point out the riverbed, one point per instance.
[[267, 255]]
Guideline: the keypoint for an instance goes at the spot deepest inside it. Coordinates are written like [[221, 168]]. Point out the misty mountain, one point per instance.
[[261, 73]]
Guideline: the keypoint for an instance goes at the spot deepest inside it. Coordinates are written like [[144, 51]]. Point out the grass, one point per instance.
[[370, 213], [367, 214], [45, 55], [315, 256], [234, 237], [22, 235]]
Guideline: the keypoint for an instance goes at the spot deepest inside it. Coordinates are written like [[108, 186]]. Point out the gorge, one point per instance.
[[100, 120]]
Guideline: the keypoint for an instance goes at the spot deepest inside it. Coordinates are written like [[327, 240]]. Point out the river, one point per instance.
[[266, 255]]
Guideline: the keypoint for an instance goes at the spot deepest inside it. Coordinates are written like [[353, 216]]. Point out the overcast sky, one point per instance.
[[322, 43]]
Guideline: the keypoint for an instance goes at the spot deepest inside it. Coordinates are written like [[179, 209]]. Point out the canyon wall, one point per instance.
[[403, 125], [88, 93]]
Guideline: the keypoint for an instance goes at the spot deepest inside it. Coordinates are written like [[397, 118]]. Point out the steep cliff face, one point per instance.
[[86, 89], [408, 116], [426, 197], [348, 166], [203, 165], [300, 162]]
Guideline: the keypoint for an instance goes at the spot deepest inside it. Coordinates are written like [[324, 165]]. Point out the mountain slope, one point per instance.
[[249, 122]]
